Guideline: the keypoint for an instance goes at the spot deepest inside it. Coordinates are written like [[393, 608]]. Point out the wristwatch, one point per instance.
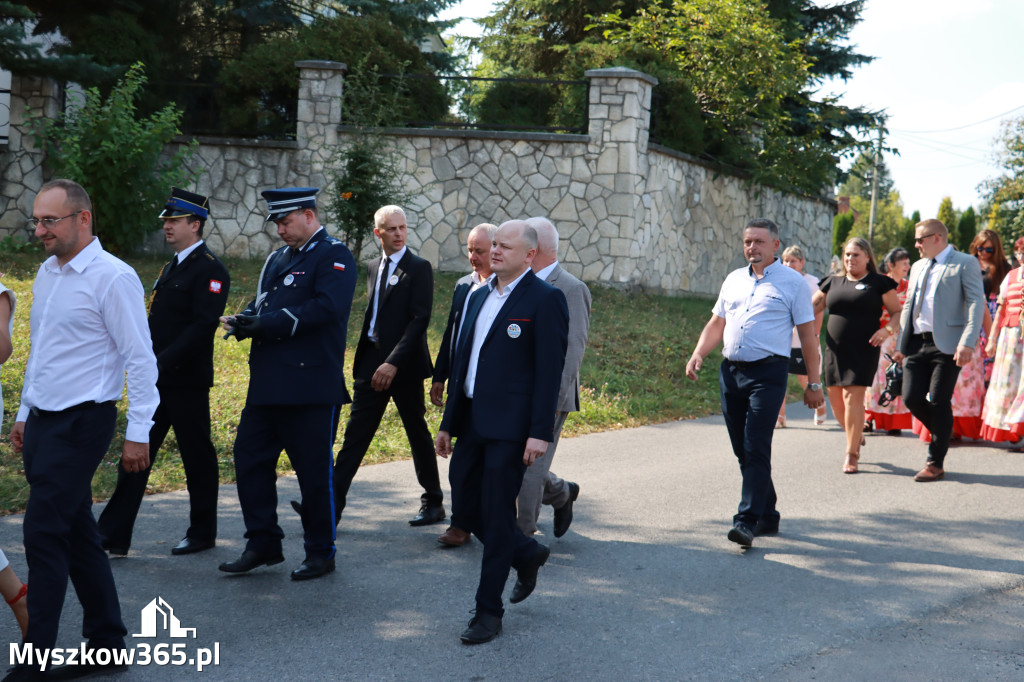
[[814, 386], [890, 330]]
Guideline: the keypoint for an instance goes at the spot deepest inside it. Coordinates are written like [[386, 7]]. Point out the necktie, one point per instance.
[[382, 286], [174, 264]]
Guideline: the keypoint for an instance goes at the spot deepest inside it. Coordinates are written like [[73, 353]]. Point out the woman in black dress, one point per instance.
[[855, 298]]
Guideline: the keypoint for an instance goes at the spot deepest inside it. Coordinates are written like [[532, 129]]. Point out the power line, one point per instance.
[[946, 151], [969, 125], [917, 138]]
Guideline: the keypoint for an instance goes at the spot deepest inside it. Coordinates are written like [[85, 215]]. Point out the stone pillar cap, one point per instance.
[[620, 72], [322, 64]]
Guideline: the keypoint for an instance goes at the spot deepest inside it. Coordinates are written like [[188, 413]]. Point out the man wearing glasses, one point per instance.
[[89, 329], [939, 329]]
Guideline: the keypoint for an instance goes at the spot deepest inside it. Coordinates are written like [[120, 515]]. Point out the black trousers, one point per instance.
[[61, 453], [187, 411], [368, 408], [488, 475], [306, 433], [929, 378], [751, 398]]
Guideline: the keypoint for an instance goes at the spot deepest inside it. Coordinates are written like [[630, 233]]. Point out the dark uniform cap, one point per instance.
[[281, 202], [182, 203]]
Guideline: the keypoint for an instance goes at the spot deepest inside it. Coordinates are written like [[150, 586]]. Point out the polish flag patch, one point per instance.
[[339, 266], [215, 286]]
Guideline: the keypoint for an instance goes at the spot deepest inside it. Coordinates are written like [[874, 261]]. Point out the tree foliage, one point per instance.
[[22, 54], [966, 229], [948, 215], [118, 157], [1005, 193], [842, 224], [890, 228], [858, 178]]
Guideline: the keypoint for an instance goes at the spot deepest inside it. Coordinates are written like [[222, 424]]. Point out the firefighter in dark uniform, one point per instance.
[[188, 299], [298, 323]]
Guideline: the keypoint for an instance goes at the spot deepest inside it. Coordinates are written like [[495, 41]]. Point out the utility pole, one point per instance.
[[874, 189]]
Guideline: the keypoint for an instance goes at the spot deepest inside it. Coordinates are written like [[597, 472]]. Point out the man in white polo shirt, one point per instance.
[[756, 311]]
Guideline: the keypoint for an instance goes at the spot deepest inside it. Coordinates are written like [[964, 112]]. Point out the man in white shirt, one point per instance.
[[88, 328]]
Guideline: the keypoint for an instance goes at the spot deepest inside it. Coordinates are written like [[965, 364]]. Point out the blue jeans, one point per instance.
[[751, 399]]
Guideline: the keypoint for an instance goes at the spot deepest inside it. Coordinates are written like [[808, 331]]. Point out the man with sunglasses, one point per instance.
[[939, 329]]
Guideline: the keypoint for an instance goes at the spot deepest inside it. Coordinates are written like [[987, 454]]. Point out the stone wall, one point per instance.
[[629, 214]]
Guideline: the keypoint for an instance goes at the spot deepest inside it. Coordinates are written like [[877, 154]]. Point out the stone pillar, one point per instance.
[[620, 121], [22, 162], [319, 115]]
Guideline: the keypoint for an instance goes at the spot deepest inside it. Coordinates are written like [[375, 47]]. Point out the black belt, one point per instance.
[[763, 361], [926, 337], [74, 408]]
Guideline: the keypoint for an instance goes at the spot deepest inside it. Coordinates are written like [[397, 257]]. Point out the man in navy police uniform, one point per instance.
[[188, 299], [298, 323], [501, 407]]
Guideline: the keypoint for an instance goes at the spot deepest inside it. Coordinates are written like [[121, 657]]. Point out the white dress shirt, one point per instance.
[[183, 254], [88, 327], [923, 314], [488, 311], [392, 264]]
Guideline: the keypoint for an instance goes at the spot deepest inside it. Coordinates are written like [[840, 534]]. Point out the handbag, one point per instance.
[[893, 382]]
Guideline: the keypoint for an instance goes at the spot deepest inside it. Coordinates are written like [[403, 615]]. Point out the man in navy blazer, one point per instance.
[[298, 323], [501, 407]]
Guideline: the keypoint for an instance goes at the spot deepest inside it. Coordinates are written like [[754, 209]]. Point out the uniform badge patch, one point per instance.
[[514, 331], [339, 266], [215, 286], [393, 280], [288, 280]]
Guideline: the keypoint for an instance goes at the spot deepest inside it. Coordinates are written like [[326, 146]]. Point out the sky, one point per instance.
[[946, 72]]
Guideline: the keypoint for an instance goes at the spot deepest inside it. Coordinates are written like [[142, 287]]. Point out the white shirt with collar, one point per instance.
[[183, 254], [545, 272], [488, 311], [88, 327], [924, 313], [392, 264]]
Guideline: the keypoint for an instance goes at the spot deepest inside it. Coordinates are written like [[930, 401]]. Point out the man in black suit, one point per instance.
[[501, 407], [188, 299], [391, 362], [298, 323]]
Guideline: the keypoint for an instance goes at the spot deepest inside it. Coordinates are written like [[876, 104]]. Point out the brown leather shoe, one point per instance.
[[929, 473], [453, 537]]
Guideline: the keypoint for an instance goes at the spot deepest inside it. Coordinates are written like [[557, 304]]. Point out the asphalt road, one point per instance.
[[873, 576]]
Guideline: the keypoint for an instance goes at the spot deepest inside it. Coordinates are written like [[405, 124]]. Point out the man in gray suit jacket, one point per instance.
[[540, 486], [938, 332]]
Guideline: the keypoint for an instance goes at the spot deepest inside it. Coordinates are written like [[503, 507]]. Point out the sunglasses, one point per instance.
[[987, 249]]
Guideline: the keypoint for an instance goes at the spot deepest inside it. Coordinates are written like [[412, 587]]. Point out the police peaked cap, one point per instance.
[[183, 203], [281, 202]]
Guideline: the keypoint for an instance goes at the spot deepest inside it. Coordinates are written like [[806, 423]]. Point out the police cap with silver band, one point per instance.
[[281, 202], [183, 203]]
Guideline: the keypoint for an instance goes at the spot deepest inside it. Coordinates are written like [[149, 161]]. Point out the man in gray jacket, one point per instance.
[[540, 485], [938, 332]]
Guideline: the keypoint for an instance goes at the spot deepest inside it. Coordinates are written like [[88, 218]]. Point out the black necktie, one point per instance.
[[382, 287]]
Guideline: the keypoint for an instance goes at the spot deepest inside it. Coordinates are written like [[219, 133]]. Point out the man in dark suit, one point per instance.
[[391, 362], [939, 329], [188, 299], [298, 323], [501, 408], [478, 249]]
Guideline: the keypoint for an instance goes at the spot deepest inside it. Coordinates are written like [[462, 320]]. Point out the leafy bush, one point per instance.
[[118, 158]]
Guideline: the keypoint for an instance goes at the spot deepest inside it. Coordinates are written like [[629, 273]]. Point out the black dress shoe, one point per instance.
[[428, 514], [250, 560], [113, 548], [191, 546], [563, 515], [23, 673], [313, 567], [482, 628], [741, 535], [527, 579], [763, 527]]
